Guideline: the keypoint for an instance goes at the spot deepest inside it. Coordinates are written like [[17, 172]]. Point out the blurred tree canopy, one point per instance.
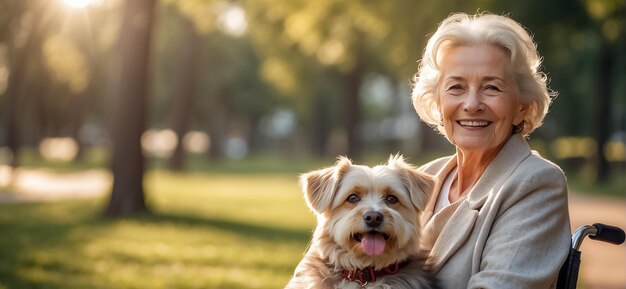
[[233, 77]]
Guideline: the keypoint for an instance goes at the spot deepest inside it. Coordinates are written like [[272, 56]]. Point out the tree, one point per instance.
[[17, 75], [182, 102], [129, 104], [607, 21], [350, 38], [580, 41]]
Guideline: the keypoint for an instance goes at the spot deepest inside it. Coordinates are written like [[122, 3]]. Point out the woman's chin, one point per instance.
[[470, 142], [476, 143]]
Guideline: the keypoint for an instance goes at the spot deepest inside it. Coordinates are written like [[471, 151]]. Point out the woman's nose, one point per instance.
[[472, 102]]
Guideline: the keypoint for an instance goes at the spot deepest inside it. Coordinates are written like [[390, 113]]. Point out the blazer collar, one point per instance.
[[510, 156], [454, 225]]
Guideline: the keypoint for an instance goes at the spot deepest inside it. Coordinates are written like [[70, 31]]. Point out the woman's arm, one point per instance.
[[530, 238]]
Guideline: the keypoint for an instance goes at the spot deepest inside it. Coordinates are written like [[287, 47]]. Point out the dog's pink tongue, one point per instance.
[[373, 244]]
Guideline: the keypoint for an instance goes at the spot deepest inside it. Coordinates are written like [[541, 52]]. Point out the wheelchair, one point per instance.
[[568, 276]]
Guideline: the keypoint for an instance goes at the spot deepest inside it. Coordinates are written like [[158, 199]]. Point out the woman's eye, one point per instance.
[[391, 199], [493, 88], [455, 87], [353, 199]]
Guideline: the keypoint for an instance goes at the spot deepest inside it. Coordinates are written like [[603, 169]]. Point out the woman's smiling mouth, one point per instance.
[[473, 123]]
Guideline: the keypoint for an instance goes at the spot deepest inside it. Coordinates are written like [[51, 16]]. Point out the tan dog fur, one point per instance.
[[334, 248]]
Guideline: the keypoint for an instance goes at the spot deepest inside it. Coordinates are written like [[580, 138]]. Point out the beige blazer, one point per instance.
[[511, 230]]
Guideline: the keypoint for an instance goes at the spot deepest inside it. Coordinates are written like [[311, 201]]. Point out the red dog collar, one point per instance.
[[366, 275]]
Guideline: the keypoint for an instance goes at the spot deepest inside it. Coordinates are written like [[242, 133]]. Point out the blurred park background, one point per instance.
[[157, 144]]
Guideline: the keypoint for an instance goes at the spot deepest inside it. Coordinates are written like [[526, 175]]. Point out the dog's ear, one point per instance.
[[319, 186], [419, 185]]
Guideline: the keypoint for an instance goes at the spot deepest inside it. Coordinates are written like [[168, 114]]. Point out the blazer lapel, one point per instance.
[[439, 177], [508, 159], [446, 231], [454, 224]]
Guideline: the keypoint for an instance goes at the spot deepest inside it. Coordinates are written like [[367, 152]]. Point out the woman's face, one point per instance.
[[479, 99]]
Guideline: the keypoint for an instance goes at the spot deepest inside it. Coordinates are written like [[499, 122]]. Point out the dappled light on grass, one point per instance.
[[6, 175], [181, 255], [60, 148], [42, 184], [206, 231], [586, 147], [267, 200]]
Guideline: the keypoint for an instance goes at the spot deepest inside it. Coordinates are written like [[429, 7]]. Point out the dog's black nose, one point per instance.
[[373, 219]]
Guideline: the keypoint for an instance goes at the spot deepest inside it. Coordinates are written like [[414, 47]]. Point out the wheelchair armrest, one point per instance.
[[609, 234], [568, 275], [597, 231]]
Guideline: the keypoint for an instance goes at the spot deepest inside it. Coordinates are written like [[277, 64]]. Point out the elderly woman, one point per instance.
[[499, 216]]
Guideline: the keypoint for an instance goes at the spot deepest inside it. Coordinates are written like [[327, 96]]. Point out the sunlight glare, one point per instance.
[[79, 3], [232, 19]]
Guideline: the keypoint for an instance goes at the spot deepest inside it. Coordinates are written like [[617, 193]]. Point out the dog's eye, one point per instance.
[[391, 199], [353, 198]]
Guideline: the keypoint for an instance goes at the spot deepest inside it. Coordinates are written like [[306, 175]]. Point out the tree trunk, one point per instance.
[[129, 109], [43, 114], [80, 109], [321, 124], [353, 81], [253, 134], [83, 98], [182, 103], [217, 121], [603, 109], [15, 87], [13, 106]]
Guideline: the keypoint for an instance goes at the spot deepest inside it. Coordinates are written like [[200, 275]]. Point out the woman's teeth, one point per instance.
[[476, 123]]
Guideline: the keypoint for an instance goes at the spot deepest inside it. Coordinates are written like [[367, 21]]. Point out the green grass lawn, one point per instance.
[[205, 231], [229, 225]]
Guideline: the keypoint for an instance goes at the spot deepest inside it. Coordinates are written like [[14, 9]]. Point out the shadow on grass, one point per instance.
[[253, 231], [39, 243], [23, 247]]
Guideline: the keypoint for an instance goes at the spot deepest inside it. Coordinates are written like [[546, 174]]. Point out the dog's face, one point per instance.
[[367, 216]]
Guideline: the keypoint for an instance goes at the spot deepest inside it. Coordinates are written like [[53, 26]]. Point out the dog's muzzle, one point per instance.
[[372, 240], [373, 219]]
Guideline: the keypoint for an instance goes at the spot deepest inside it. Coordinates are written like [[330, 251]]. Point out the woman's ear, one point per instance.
[[320, 186], [520, 114]]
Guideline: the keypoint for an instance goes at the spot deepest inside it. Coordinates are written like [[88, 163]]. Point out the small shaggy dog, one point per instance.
[[368, 229]]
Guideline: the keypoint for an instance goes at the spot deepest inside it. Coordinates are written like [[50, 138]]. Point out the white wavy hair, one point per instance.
[[462, 29]]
